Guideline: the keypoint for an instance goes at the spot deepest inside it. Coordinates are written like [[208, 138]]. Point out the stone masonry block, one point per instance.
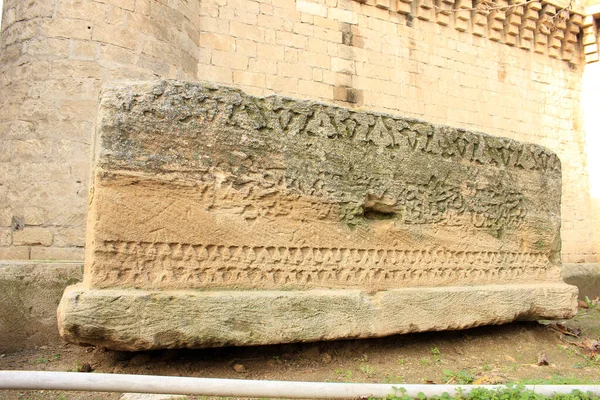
[[220, 218], [33, 236], [312, 8], [350, 17], [403, 6], [425, 10], [592, 57], [29, 294], [14, 253], [591, 48], [123, 37], [385, 4], [57, 253], [5, 237], [461, 18]]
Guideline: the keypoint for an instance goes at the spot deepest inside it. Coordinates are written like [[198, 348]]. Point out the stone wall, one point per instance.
[[30, 292], [369, 56], [56, 55], [503, 75]]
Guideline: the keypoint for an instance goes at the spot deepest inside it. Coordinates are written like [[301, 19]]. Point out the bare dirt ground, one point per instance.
[[493, 354]]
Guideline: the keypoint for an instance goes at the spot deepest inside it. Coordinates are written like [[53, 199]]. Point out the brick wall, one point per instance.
[[500, 75]]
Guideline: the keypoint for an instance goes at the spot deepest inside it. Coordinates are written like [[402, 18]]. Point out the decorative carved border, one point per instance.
[[203, 266]]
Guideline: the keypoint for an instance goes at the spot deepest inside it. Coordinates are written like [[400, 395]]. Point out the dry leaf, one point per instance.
[[510, 359], [489, 380], [590, 346], [564, 330]]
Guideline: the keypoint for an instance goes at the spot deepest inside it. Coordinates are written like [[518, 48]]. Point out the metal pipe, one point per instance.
[[92, 382]]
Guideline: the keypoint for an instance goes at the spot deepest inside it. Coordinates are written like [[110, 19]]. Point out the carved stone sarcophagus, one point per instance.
[[218, 218]]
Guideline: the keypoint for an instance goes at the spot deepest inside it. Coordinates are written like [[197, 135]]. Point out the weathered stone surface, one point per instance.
[[127, 319], [209, 202], [585, 276], [29, 294]]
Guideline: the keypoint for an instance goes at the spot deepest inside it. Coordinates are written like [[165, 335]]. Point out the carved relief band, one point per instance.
[[218, 218]]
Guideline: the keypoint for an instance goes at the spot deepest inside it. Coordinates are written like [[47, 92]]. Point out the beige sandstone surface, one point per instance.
[[218, 218]]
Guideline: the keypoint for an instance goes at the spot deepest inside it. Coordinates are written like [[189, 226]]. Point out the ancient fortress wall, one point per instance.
[[56, 55], [506, 75]]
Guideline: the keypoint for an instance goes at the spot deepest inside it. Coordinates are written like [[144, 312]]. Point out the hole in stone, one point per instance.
[[17, 223], [379, 207], [375, 213]]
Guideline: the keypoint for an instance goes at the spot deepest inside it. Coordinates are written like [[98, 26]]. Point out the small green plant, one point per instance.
[[81, 367], [424, 361], [367, 370], [588, 362], [436, 354], [346, 374], [504, 393], [486, 367], [399, 394], [570, 351], [401, 361], [388, 378], [46, 360], [510, 367], [77, 367], [462, 377], [592, 304], [559, 380]]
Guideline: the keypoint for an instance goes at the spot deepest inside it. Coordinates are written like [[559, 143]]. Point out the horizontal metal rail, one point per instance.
[[92, 382]]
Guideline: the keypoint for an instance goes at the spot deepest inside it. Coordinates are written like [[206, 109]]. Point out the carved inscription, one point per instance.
[[278, 116], [388, 132], [437, 202], [201, 186]]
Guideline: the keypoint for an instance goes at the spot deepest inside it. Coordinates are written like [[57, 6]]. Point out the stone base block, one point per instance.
[[29, 294], [144, 320], [585, 276]]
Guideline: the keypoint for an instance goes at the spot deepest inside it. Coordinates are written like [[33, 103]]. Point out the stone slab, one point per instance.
[[146, 320], [29, 295], [585, 276], [202, 187]]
